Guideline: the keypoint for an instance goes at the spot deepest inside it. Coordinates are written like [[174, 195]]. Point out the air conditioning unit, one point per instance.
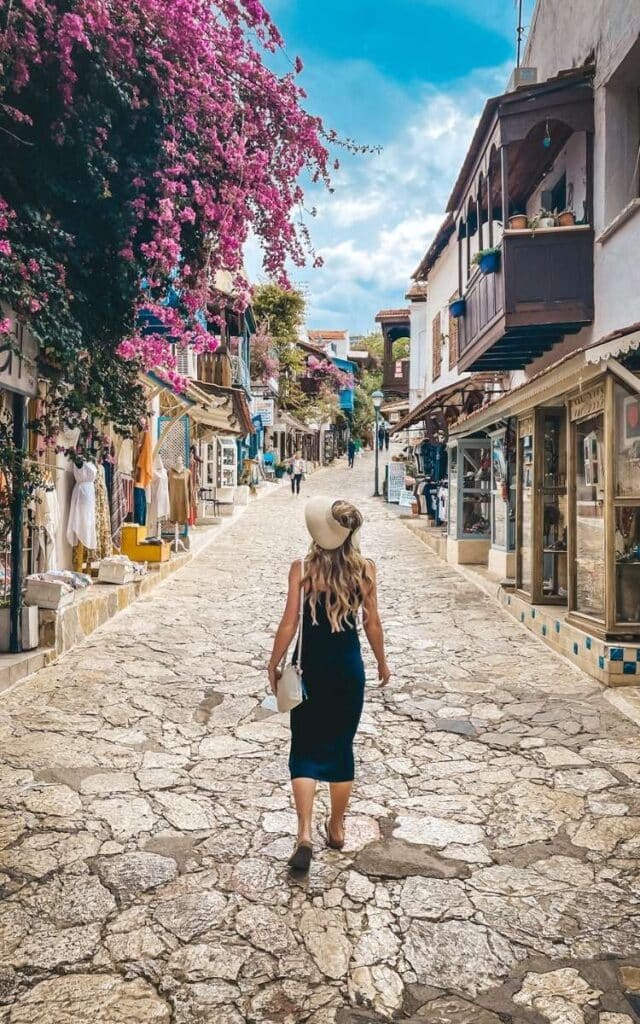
[[522, 78], [186, 361]]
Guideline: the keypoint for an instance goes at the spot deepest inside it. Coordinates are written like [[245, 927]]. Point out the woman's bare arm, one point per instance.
[[373, 627], [288, 624]]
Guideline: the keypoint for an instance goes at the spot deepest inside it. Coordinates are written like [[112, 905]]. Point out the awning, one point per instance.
[[234, 402], [285, 419], [453, 395], [576, 369]]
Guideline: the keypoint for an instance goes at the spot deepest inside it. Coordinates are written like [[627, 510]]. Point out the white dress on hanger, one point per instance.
[[159, 503], [46, 519], [81, 528]]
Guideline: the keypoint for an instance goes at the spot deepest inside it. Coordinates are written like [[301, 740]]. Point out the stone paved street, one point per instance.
[[491, 868]]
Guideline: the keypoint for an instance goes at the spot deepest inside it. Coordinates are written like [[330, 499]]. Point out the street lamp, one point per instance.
[[377, 398]]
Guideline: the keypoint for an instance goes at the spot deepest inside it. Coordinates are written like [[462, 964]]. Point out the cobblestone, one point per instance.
[[490, 872]]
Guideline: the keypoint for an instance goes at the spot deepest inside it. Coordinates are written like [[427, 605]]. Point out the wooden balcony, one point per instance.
[[542, 291], [310, 385], [395, 378]]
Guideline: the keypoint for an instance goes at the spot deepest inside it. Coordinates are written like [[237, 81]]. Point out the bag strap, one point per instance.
[[301, 617]]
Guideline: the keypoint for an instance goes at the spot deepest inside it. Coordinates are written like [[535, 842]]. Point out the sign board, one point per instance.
[[18, 361], [406, 498], [264, 407], [395, 481]]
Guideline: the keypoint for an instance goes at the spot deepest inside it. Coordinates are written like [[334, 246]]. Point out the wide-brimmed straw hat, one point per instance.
[[326, 531]]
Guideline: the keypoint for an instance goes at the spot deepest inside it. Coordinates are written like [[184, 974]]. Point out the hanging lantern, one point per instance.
[[546, 142]]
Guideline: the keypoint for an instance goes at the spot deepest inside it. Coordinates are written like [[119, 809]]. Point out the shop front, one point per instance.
[[576, 530]]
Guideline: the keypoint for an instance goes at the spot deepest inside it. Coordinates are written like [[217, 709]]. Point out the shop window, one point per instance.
[[590, 535], [554, 506], [525, 545], [475, 487]]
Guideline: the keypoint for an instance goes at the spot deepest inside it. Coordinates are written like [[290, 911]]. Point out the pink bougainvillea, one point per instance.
[[231, 140], [339, 380]]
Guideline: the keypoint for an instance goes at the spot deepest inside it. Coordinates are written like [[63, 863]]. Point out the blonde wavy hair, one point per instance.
[[343, 574]]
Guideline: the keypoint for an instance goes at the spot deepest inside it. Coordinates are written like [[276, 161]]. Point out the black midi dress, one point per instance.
[[323, 726]]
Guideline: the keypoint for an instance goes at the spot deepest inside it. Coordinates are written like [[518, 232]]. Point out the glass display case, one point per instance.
[[626, 525], [589, 517], [503, 492], [542, 506], [227, 462], [470, 489], [605, 498], [552, 549]]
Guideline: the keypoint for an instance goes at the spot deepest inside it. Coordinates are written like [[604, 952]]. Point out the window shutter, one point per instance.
[[436, 346], [453, 337]]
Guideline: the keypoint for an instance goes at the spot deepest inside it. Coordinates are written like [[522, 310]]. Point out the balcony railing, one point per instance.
[[542, 291]]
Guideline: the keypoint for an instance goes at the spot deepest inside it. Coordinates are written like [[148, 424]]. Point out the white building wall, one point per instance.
[[565, 35], [442, 283], [418, 361]]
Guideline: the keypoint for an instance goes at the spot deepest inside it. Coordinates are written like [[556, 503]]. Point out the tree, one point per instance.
[[401, 348], [364, 412], [280, 313], [140, 144], [373, 343]]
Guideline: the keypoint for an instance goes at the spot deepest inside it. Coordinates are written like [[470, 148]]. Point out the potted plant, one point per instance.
[[566, 219], [488, 260], [457, 308], [547, 218], [280, 470], [518, 221]]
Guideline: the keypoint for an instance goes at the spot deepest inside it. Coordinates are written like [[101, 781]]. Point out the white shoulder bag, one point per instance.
[[290, 692]]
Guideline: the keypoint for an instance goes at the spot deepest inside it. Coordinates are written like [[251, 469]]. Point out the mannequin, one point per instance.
[[179, 485], [81, 528], [159, 504]]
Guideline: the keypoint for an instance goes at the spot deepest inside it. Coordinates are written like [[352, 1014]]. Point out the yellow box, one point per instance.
[[133, 545]]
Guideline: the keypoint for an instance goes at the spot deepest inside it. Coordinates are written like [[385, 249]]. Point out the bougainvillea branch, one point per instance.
[[141, 141]]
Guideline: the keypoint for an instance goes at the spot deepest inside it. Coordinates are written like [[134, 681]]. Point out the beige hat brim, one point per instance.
[[324, 529]]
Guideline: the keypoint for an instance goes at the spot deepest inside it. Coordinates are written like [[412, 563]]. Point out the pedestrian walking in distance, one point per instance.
[[351, 452], [333, 583], [298, 470], [380, 437], [386, 438]]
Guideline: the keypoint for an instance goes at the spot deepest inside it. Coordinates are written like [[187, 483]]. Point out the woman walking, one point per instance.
[[298, 469], [335, 581]]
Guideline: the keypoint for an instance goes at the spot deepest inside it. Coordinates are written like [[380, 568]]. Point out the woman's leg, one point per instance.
[[340, 793], [293, 484], [304, 791], [298, 482]]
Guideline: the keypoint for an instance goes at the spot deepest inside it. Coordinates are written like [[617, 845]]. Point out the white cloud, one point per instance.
[[386, 208]]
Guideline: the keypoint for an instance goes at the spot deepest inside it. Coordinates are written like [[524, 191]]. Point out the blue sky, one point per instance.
[[412, 77]]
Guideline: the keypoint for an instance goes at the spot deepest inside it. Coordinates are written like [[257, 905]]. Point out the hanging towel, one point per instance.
[[119, 507], [144, 465]]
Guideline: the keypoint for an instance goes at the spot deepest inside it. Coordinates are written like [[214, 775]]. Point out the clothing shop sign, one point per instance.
[[18, 361], [395, 481], [264, 407]]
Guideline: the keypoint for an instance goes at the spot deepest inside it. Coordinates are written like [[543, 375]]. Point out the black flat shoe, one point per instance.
[[334, 843], [301, 859]]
